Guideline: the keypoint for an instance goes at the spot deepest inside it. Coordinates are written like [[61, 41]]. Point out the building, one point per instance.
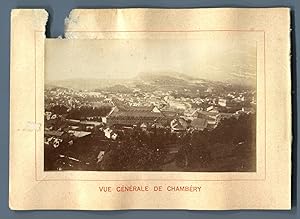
[[134, 118], [90, 125], [100, 156], [54, 138], [212, 109], [129, 116], [58, 134], [179, 125], [226, 115], [212, 117], [79, 134], [191, 113], [222, 102], [199, 124]]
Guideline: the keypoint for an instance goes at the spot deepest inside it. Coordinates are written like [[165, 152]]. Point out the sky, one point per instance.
[[208, 58]]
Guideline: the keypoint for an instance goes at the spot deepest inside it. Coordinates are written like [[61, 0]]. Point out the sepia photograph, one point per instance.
[[185, 105], [141, 108]]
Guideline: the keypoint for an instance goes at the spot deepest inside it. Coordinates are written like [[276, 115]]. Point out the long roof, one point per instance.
[[53, 133], [90, 122], [136, 114], [169, 113], [79, 134], [208, 113]]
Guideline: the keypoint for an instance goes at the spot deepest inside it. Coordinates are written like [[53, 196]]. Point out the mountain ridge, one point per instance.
[[156, 79]]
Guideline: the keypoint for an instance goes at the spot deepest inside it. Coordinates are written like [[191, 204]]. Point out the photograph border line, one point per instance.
[[187, 180]]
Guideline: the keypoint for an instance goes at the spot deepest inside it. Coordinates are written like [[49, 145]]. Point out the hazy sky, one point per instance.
[[212, 59]]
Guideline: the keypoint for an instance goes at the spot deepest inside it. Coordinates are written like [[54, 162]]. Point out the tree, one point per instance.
[[134, 153], [233, 137]]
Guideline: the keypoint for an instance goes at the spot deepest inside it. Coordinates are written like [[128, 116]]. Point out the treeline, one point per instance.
[[231, 146]]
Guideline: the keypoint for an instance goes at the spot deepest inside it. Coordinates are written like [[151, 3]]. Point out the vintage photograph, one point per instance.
[[143, 108], [185, 105]]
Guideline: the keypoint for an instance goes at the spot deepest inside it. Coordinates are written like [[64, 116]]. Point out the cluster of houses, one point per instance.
[[145, 117], [176, 119]]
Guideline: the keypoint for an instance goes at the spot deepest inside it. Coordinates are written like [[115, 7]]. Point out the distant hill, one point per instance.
[[118, 88], [166, 75], [150, 81], [84, 84]]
